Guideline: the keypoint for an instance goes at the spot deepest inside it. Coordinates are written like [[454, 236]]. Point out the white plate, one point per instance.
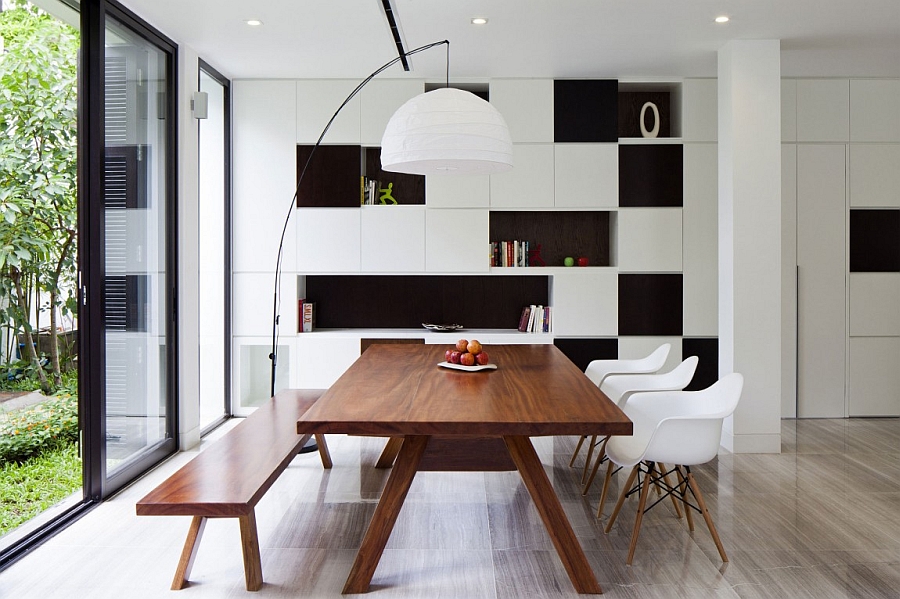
[[442, 328], [468, 368]]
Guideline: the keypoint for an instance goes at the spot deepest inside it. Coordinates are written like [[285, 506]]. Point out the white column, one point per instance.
[[750, 239], [188, 255]]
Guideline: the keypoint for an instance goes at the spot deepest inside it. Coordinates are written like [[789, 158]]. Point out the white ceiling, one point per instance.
[[529, 38]]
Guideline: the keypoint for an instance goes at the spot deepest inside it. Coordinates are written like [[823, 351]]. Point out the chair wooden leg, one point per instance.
[[186, 562], [577, 449], [605, 490], [587, 460], [709, 522], [665, 477], [600, 455], [389, 453], [625, 489], [323, 452], [645, 490], [682, 484], [250, 548]]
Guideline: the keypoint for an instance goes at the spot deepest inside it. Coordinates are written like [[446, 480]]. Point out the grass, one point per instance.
[[30, 487]]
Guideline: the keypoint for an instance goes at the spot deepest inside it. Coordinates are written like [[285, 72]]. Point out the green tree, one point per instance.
[[38, 168]]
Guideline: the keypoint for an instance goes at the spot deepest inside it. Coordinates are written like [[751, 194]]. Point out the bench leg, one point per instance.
[[389, 453], [323, 452], [250, 548], [183, 572]]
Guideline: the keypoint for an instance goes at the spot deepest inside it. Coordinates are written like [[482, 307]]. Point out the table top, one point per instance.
[[397, 390]]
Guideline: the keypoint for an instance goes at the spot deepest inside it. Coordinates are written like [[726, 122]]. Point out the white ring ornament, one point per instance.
[[655, 131]]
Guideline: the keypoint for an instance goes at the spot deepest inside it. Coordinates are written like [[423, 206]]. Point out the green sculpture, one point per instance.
[[386, 196]]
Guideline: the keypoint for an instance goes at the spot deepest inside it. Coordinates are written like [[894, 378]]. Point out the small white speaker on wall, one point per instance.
[[200, 105]]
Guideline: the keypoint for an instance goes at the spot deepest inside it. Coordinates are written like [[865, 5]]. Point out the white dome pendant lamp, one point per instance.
[[446, 131]]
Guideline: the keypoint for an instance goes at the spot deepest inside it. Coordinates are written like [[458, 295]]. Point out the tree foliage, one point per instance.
[[38, 167]]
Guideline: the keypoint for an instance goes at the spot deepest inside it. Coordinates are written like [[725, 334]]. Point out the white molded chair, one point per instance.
[[619, 387], [679, 427], [598, 370]]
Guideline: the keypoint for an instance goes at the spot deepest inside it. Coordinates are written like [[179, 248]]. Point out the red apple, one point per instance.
[[462, 344], [467, 359], [454, 357], [474, 347], [481, 358], [447, 354]]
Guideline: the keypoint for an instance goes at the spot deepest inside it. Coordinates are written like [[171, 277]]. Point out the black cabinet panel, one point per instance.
[[707, 350], [332, 177], [650, 304], [406, 301], [651, 175], [585, 110], [582, 351], [875, 241]]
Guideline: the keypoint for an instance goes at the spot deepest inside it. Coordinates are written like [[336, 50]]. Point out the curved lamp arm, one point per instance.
[[276, 301]]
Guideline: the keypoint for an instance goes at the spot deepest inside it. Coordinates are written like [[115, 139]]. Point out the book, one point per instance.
[[523, 319], [532, 312], [308, 320]]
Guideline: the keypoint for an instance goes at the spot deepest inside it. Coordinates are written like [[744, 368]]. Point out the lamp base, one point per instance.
[[310, 446]]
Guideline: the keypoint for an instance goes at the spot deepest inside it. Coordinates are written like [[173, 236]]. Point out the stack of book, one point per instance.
[[368, 191], [535, 319], [510, 253], [306, 316]]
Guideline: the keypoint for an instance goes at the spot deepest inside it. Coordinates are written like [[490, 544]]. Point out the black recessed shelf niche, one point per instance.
[[585, 110], [406, 301], [633, 96], [560, 234], [333, 177], [651, 304], [875, 240], [707, 350]]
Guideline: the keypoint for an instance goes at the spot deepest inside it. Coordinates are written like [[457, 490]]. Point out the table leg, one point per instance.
[[386, 513], [532, 471]]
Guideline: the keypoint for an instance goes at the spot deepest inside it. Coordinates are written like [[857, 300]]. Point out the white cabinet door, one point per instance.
[[317, 101], [527, 108], [700, 113], [700, 254], [875, 175], [265, 172], [875, 110], [823, 110], [586, 303], [788, 110], [530, 183], [379, 100], [328, 239], [457, 240], [447, 191], [321, 360], [874, 376], [649, 239], [393, 238], [587, 175], [875, 305], [821, 239]]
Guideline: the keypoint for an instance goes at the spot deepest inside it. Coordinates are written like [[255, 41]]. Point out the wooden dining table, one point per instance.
[[447, 420]]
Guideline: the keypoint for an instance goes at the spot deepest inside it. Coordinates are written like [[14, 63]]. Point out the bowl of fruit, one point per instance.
[[468, 356]]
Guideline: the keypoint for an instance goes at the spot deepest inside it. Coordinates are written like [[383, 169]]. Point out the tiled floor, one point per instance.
[[819, 520]]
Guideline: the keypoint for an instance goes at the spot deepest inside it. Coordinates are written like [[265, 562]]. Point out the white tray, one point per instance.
[[475, 368]]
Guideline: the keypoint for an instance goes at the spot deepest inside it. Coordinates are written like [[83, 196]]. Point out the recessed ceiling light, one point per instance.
[[479, 21], [722, 19], [254, 22]]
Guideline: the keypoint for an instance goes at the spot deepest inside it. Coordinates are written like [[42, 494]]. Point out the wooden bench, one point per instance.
[[229, 478]]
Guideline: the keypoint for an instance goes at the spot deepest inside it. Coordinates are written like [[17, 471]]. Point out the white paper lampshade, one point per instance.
[[446, 131]]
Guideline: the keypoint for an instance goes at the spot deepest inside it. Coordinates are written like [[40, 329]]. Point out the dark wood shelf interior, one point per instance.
[[332, 177], [559, 234], [406, 189], [651, 175], [406, 301], [630, 105]]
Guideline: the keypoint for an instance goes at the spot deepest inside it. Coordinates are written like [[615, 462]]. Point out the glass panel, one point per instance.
[[211, 241], [135, 245]]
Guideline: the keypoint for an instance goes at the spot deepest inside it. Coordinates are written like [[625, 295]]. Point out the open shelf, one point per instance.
[[559, 233]]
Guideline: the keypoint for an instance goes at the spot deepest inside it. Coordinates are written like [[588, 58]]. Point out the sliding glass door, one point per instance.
[[128, 286]]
